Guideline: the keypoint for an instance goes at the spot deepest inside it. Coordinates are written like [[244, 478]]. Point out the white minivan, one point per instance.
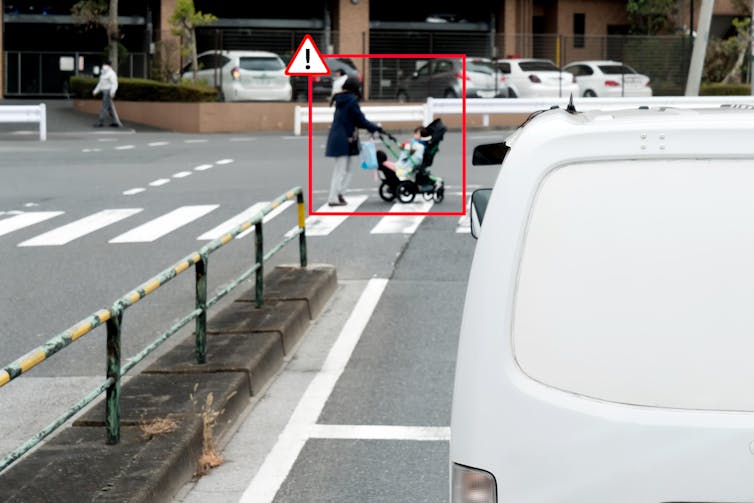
[[607, 344]]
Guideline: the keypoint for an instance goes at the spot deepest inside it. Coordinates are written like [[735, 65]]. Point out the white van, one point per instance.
[[607, 344]]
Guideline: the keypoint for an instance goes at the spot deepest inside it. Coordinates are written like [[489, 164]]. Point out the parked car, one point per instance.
[[243, 75], [322, 84], [608, 79], [443, 78], [537, 78], [605, 346]]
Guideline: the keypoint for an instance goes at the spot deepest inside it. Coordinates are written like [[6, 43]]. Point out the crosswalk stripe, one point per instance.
[[464, 223], [402, 224], [10, 224], [233, 222], [269, 216], [155, 229], [81, 227], [323, 225]]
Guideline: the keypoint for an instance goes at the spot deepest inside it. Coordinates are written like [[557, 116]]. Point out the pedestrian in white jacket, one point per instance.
[[107, 85]]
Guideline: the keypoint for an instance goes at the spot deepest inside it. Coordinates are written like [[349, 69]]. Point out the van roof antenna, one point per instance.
[[570, 108]]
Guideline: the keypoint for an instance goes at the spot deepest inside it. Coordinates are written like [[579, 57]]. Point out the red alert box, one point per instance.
[[462, 210]]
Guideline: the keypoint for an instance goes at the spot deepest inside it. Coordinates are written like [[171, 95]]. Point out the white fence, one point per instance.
[[486, 107], [26, 113]]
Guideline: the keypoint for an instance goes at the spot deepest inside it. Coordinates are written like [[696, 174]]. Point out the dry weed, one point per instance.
[[210, 458], [159, 426]]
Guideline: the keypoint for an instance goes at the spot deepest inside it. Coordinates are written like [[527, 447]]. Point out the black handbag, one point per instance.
[[353, 143]]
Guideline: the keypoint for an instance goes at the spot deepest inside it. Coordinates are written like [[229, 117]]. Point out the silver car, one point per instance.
[[243, 75], [443, 78]]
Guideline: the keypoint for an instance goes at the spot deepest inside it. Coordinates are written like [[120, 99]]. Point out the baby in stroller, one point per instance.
[[409, 174]]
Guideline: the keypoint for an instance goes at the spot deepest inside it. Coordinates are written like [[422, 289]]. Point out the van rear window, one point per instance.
[[636, 283]]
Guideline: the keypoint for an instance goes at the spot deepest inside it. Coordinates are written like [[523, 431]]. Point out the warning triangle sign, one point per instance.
[[307, 60]]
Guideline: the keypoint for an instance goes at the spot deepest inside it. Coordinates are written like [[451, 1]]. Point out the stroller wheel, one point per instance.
[[406, 192], [439, 195], [386, 192]]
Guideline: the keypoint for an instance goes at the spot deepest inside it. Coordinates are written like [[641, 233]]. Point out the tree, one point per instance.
[[185, 20], [92, 13], [653, 17]]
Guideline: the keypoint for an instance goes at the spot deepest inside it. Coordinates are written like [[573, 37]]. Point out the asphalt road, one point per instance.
[[400, 373]]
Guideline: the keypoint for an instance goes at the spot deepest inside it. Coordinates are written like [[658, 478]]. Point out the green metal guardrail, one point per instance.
[[113, 317]]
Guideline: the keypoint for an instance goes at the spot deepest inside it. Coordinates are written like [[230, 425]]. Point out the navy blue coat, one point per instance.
[[348, 116]]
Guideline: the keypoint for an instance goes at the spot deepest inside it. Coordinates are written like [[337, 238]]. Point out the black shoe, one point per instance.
[[116, 125], [341, 199], [97, 124], [339, 203]]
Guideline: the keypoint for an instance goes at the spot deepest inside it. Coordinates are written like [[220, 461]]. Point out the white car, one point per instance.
[[537, 78], [606, 339], [243, 75], [608, 79]]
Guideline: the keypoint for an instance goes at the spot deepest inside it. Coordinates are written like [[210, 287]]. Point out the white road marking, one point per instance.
[[182, 174], [223, 161], [269, 216], [198, 140], [380, 432], [203, 167], [81, 227], [107, 139], [30, 205], [160, 181], [464, 223], [280, 459], [133, 191], [155, 229], [91, 150], [232, 223], [125, 147], [402, 224], [10, 224], [158, 143], [322, 225]]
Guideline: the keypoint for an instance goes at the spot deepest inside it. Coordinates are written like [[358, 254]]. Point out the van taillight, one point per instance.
[[235, 73], [472, 486]]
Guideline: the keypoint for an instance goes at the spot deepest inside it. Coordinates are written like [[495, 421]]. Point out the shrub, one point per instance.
[[720, 89], [146, 90]]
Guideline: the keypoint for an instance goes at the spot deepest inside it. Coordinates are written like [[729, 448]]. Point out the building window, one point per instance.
[[579, 28]]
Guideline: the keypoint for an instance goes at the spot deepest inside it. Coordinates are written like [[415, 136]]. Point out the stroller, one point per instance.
[[406, 188]]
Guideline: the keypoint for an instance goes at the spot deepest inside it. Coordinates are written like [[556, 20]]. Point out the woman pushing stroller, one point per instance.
[[343, 139]]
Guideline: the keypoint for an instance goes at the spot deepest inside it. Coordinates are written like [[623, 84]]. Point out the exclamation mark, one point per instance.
[[307, 59]]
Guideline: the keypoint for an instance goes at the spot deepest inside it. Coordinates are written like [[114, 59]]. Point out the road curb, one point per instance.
[[246, 346]]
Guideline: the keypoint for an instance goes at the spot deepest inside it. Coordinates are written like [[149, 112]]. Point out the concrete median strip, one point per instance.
[[246, 347]]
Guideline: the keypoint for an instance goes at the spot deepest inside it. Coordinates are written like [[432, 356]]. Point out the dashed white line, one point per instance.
[[203, 167], [196, 141], [182, 174], [161, 181], [131, 192], [223, 161], [125, 147], [158, 143], [91, 150]]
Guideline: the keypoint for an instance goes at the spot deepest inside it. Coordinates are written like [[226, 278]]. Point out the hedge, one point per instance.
[[719, 89], [145, 90]]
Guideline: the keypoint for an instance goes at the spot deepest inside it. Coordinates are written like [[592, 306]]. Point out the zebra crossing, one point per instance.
[[163, 225]]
